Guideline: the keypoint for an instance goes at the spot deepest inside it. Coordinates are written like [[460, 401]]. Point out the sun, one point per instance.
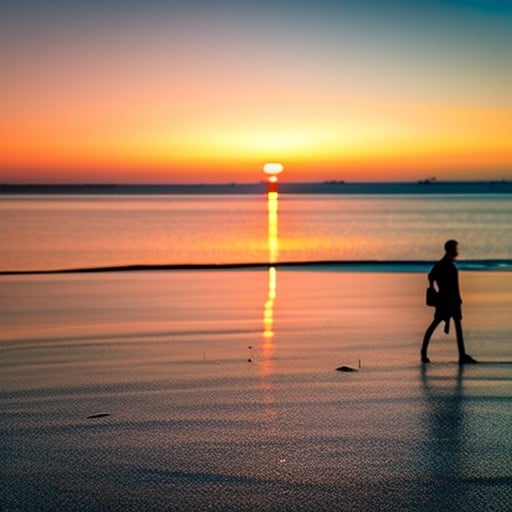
[[272, 169]]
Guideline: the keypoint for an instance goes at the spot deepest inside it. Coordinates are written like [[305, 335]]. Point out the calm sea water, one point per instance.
[[52, 232]]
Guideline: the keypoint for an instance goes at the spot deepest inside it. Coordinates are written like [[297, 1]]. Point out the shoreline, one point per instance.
[[399, 266]]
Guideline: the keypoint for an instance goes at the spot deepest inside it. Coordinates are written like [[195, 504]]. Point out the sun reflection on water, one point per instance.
[[273, 252], [273, 232], [268, 311], [267, 345]]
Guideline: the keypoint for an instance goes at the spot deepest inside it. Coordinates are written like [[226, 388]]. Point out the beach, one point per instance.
[[218, 390], [218, 221]]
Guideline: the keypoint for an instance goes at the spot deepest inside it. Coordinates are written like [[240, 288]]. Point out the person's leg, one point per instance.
[[463, 357], [426, 339], [460, 337]]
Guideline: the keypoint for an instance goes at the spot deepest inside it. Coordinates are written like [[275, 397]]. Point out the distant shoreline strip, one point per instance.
[[422, 187], [339, 265]]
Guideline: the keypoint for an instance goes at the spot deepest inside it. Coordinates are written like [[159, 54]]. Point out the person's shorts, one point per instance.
[[447, 311]]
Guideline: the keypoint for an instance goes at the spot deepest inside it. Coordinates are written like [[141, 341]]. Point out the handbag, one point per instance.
[[432, 297]]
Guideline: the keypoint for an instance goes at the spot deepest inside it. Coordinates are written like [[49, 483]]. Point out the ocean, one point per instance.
[[48, 232], [215, 388]]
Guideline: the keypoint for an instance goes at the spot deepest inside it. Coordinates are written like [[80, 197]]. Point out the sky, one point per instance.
[[208, 91]]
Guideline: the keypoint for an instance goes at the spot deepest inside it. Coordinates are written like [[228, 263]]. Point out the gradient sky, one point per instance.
[[189, 91]]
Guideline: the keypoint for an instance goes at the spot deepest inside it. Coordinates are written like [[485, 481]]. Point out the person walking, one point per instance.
[[448, 304]]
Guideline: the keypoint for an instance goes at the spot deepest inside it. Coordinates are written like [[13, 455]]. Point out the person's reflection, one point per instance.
[[443, 440]]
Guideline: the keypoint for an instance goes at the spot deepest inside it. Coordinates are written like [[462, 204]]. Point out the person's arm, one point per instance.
[[432, 275]]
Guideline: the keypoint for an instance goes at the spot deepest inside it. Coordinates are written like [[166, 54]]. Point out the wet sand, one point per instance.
[[217, 390]]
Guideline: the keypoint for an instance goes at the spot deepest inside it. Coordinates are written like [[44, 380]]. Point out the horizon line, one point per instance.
[[431, 180], [326, 187]]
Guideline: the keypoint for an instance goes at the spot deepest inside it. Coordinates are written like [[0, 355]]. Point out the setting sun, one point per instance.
[[272, 170]]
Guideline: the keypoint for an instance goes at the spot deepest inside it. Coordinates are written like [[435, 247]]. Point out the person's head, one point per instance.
[[451, 248]]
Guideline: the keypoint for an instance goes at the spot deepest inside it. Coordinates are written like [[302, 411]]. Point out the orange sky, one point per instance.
[[195, 95]]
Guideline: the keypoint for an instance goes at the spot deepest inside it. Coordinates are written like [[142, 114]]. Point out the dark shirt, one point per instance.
[[446, 275]]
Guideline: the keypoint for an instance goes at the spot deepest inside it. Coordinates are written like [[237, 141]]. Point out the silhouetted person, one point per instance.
[[446, 276]]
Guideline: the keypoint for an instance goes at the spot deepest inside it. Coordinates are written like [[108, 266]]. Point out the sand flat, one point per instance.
[[218, 391]]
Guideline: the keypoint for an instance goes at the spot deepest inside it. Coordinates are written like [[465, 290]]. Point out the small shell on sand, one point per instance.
[[346, 369], [98, 415]]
